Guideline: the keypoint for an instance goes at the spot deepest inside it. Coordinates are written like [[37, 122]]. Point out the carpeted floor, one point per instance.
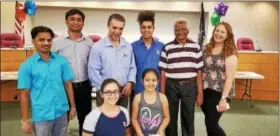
[[240, 120]]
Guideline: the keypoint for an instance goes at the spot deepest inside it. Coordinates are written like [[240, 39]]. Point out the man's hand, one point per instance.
[[72, 113], [27, 127], [199, 99], [127, 89]]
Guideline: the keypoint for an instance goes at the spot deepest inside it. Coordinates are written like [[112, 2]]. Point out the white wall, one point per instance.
[[7, 17], [96, 22], [257, 20], [8, 21]]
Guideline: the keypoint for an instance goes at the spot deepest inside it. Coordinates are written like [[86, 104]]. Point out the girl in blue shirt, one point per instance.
[[109, 119]]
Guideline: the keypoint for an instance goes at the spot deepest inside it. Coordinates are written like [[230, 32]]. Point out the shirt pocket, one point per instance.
[[125, 58], [155, 58], [39, 80], [192, 56], [67, 51], [56, 73]]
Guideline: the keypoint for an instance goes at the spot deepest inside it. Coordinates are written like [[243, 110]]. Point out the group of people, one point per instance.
[[146, 77]]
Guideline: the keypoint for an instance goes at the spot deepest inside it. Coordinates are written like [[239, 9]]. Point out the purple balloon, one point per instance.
[[221, 4], [221, 8], [216, 9], [224, 10]]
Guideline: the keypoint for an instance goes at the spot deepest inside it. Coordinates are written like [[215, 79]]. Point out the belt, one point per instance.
[[79, 84], [183, 81]]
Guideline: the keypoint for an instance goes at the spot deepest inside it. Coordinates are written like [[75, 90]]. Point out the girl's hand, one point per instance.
[[140, 134], [161, 133]]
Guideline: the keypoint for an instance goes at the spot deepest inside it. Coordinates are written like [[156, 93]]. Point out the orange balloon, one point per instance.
[[20, 13]]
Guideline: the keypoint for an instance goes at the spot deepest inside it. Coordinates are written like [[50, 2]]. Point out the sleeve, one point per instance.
[[55, 45], [132, 70], [163, 59], [91, 121], [67, 73], [94, 68], [124, 110], [24, 77], [199, 59], [91, 42]]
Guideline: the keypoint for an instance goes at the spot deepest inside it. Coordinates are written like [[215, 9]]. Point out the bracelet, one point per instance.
[[74, 109], [224, 97], [24, 122]]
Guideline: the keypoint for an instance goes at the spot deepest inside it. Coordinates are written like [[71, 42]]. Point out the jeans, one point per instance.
[[56, 127]]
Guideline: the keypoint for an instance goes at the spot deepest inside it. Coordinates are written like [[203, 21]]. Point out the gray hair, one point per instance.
[[181, 21]]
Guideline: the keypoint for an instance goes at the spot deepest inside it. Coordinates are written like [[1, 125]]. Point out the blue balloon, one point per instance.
[[30, 7]]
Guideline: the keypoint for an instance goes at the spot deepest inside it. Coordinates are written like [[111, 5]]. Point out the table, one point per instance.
[[9, 92], [8, 76], [248, 76]]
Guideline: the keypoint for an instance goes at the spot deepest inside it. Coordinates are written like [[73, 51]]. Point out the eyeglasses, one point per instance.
[[110, 93]]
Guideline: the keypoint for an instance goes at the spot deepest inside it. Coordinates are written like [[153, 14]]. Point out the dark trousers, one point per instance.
[[123, 101], [186, 92], [211, 99], [82, 96]]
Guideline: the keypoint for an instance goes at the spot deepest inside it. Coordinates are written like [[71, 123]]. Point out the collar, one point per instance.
[[38, 57], [67, 36], [187, 41], [108, 43], [155, 40]]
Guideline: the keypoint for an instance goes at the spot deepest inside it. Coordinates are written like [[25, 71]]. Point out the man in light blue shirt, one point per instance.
[[44, 80], [147, 49], [112, 57]]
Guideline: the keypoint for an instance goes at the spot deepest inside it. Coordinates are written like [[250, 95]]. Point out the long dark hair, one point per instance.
[[108, 81], [150, 70]]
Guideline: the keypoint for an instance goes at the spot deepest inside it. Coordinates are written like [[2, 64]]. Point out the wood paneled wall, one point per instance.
[[266, 64], [11, 61]]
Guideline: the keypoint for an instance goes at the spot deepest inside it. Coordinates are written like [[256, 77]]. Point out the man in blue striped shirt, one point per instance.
[[147, 49], [112, 57]]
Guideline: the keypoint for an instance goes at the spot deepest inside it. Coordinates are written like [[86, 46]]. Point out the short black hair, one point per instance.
[[146, 16], [73, 12], [39, 29], [116, 16], [108, 81], [147, 70]]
